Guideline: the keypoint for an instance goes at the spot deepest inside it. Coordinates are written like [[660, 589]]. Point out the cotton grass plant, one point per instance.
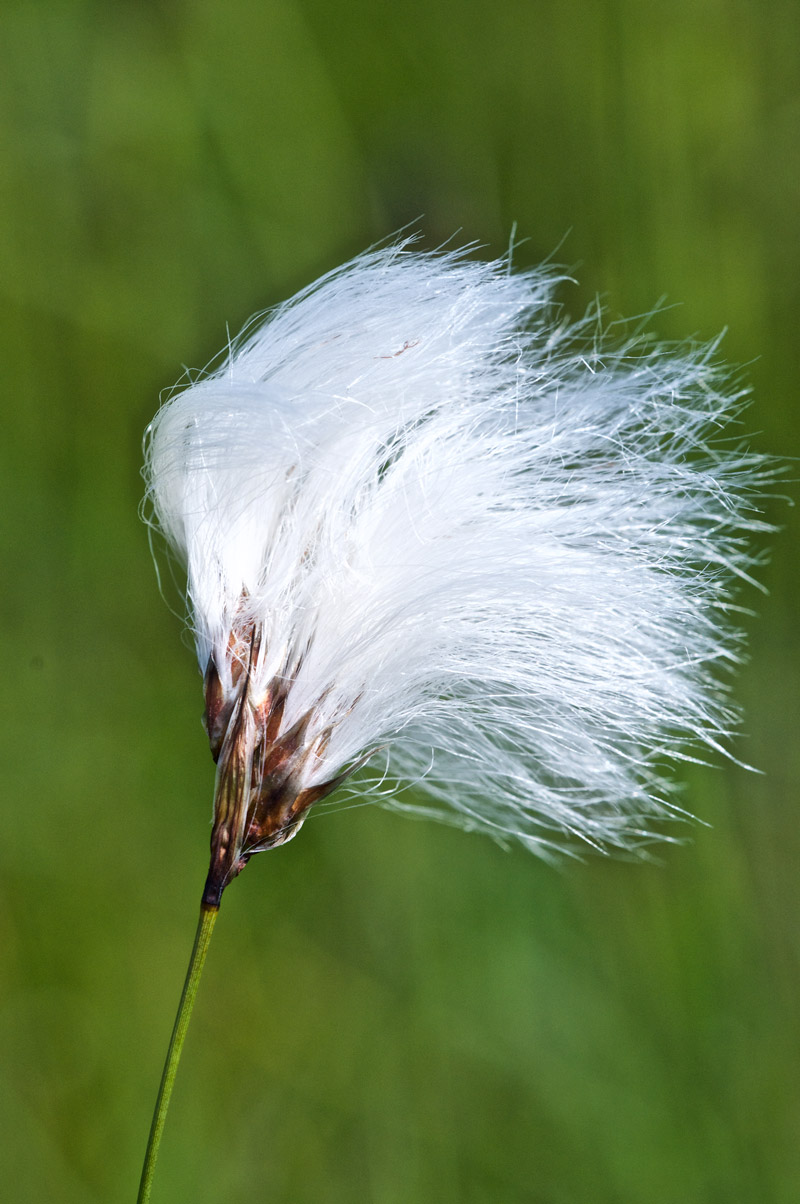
[[432, 529]]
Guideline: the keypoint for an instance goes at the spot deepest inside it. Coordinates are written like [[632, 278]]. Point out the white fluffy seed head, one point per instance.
[[466, 532]]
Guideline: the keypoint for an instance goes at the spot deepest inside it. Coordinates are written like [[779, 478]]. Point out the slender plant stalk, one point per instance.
[[202, 940]]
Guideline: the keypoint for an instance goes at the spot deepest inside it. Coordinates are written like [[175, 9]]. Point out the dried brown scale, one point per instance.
[[278, 694], [278, 808], [217, 713], [258, 802], [243, 647]]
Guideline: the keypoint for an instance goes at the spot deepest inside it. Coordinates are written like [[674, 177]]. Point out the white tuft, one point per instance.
[[472, 534]]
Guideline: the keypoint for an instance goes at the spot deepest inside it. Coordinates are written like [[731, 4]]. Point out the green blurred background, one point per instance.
[[392, 1011]]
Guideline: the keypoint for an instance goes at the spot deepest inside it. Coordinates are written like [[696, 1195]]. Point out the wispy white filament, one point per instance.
[[472, 535]]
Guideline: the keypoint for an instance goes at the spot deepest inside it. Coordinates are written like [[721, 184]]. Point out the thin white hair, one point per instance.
[[491, 541]]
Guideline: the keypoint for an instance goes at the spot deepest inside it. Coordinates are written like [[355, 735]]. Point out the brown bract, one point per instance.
[[259, 799]]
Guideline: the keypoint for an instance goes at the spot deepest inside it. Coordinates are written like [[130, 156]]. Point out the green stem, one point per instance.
[[201, 942]]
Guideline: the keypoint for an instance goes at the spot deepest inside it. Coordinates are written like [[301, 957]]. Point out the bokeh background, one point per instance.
[[392, 1012]]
